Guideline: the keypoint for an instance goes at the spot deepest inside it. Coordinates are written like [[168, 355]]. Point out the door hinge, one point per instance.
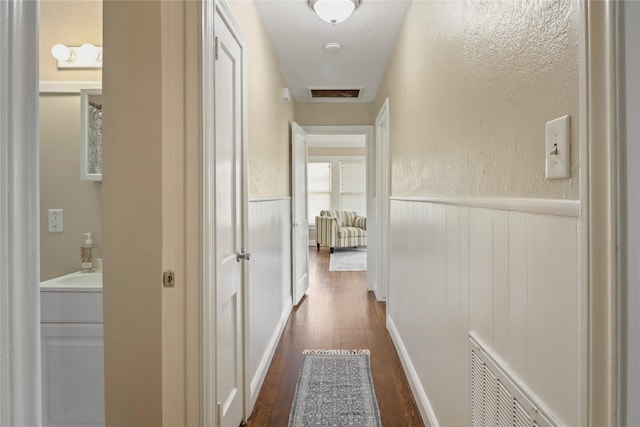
[[216, 47]]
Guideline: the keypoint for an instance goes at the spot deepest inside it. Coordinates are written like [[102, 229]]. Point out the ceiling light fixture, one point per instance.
[[334, 11], [86, 56], [332, 47]]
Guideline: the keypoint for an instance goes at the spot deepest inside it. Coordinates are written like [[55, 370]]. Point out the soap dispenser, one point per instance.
[[86, 254]]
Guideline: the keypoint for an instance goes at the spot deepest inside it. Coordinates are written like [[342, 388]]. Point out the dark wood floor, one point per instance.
[[337, 313]]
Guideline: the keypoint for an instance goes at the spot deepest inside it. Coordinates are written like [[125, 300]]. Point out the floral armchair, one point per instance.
[[340, 229]]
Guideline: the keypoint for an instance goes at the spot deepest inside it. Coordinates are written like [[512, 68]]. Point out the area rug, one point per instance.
[[348, 260], [335, 388]]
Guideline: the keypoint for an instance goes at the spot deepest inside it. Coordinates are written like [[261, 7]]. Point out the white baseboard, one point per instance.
[[312, 243], [261, 373], [424, 406]]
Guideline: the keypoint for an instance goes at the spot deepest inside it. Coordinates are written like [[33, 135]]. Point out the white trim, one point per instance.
[[47, 86], [368, 132], [84, 135], [327, 159], [422, 400], [207, 222], [382, 197], [583, 225], [268, 199], [20, 367], [600, 204], [263, 368], [340, 130], [569, 208], [336, 141]]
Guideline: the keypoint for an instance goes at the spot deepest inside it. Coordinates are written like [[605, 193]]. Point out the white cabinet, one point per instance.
[[72, 358]]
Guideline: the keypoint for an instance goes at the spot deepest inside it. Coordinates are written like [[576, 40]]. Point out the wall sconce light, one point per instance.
[[86, 56], [334, 11]]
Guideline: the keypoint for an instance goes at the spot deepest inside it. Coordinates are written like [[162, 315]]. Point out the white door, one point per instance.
[[300, 222], [228, 229]]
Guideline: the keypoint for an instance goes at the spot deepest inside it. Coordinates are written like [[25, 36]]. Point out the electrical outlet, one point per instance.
[[56, 222]]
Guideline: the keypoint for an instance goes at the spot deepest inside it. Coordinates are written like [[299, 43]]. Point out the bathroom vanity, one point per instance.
[[72, 347]]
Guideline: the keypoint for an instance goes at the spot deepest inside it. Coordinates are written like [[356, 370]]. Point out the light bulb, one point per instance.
[[61, 52], [334, 11], [88, 52]]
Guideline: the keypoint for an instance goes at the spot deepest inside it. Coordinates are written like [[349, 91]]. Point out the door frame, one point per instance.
[[599, 196], [208, 398], [20, 368], [382, 206], [368, 132], [628, 63]]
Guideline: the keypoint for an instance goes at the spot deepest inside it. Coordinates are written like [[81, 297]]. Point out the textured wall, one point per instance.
[[269, 115], [471, 85], [70, 22], [334, 114]]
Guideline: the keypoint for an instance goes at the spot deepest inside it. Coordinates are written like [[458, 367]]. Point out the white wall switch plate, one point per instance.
[[56, 222], [558, 149]]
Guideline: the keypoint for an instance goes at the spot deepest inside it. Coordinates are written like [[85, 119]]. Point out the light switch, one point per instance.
[[56, 222], [558, 149]]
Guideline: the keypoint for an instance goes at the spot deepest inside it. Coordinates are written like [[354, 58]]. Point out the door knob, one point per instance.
[[241, 254]]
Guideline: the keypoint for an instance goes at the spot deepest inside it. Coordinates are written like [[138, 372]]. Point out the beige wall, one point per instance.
[[132, 168], [72, 23], [151, 213], [470, 86], [335, 151], [61, 187], [335, 114], [269, 116]]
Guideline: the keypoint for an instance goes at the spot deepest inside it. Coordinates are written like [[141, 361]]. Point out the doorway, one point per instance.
[[346, 149]]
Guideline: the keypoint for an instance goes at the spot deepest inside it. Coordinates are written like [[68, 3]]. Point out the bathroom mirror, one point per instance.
[[91, 134]]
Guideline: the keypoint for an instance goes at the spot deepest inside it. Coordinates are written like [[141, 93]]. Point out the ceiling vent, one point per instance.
[[334, 93]]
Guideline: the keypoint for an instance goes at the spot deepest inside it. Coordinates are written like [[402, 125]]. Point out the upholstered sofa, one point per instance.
[[340, 229]]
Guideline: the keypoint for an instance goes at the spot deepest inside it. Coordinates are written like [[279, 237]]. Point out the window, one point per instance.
[[336, 183], [319, 189], [353, 187]]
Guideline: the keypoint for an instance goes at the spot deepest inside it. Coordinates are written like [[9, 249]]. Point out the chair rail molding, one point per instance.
[[20, 371]]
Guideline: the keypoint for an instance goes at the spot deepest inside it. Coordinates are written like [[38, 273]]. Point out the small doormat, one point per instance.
[[335, 388], [348, 260]]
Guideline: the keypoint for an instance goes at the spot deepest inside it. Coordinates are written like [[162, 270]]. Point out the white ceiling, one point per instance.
[[298, 36]]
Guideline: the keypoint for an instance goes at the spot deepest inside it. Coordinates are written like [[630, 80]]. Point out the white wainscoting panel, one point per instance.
[[510, 277], [269, 293]]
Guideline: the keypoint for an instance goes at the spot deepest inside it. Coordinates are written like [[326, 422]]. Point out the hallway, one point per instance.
[[337, 313]]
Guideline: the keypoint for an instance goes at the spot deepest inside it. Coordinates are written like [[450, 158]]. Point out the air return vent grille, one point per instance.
[[496, 400], [334, 93]]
